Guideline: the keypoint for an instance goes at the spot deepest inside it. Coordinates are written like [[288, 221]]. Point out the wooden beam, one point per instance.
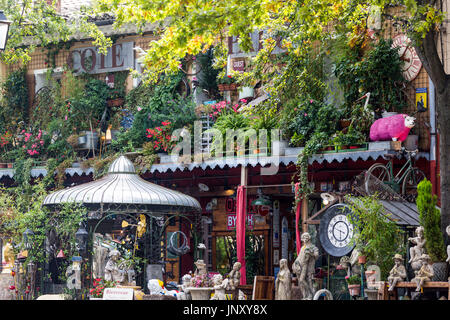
[[304, 215]]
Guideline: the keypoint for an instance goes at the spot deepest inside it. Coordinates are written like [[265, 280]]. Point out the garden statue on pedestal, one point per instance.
[[397, 273], [100, 257], [417, 251], [235, 276], [303, 266], [425, 273], [219, 287], [283, 283], [112, 270], [201, 267]]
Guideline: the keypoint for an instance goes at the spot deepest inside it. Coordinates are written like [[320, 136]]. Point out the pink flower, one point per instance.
[[139, 108], [311, 101]]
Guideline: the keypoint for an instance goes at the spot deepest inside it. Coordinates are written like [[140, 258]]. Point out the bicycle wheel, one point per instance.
[[410, 182], [377, 173]]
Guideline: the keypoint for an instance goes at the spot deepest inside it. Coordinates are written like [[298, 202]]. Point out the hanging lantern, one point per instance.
[[262, 203], [81, 237]]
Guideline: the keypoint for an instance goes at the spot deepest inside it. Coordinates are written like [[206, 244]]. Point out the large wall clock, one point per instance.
[[336, 230], [408, 54]]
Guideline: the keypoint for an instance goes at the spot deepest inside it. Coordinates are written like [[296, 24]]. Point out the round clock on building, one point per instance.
[[407, 53], [336, 230]]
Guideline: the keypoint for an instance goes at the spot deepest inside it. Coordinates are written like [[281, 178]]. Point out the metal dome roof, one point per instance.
[[123, 189]]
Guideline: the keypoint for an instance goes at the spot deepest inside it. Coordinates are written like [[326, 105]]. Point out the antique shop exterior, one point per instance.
[[271, 222]]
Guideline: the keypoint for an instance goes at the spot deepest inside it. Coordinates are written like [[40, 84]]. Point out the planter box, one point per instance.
[[328, 149], [292, 151], [200, 293], [360, 147], [227, 87], [246, 92]]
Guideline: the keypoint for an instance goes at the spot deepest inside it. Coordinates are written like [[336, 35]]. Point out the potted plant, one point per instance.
[[430, 219], [354, 284], [116, 96], [227, 83], [201, 287], [99, 285]]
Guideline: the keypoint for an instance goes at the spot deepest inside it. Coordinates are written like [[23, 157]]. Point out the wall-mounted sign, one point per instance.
[[230, 209], [88, 60], [421, 99], [284, 238], [276, 225], [238, 65]]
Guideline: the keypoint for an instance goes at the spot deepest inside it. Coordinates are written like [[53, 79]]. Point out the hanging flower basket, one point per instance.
[[115, 102]]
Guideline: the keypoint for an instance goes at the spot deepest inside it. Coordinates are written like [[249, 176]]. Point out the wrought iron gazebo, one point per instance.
[[122, 192]]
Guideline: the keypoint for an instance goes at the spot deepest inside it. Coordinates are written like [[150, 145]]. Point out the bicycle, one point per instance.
[[404, 182]]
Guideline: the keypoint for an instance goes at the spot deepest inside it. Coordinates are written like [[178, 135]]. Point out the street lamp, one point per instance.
[[4, 28], [81, 237], [27, 238]]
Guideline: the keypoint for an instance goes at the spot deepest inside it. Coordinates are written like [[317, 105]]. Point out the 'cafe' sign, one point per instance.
[[120, 56]]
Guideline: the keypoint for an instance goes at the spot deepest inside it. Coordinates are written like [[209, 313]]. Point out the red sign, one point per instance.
[[230, 210], [239, 65]]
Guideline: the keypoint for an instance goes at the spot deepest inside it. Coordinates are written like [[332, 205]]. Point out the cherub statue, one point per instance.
[[234, 276], [184, 287], [303, 266], [417, 250], [425, 273], [283, 283], [112, 270], [219, 287], [397, 273], [345, 263]]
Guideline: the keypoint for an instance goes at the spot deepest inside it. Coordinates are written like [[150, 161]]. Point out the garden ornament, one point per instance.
[[425, 273], [219, 287], [235, 276], [201, 267], [397, 273], [283, 283], [156, 287], [303, 266], [345, 263], [184, 287], [395, 128], [417, 250], [112, 270]]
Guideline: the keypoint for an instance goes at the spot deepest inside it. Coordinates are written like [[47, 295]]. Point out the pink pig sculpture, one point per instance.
[[395, 128]]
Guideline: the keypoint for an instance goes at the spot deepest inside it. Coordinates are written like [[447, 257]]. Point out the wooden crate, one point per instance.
[[263, 288]]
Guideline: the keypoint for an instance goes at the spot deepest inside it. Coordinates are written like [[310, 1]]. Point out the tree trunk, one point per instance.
[[432, 63], [443, 119]]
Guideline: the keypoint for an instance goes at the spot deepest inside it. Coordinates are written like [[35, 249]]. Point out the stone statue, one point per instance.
[[112, 270], [397, 273], [184, 287], [283, 283], [201, 267], [303, 266], [219, 287], [425, 273], [234, 276], [345, 263], [448, 247], [417, 250], [355, 266]]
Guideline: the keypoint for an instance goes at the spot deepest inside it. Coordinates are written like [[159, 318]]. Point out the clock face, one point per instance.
[[340, 231], [412, 64], [336, 231]]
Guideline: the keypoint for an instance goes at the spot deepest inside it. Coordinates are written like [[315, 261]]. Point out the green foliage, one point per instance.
[[430, 219], [208, 78], [350, 138], [14, 102], [379, 72], [375, 235], [355, 279]]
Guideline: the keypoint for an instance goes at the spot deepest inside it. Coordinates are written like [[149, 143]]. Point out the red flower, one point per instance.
[[12, 287]]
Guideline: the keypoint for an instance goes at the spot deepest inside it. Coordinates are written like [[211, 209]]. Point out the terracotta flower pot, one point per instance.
[[354, 289], [9, 165], [362, 259]]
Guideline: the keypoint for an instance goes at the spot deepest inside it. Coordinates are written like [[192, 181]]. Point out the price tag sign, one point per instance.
[[118, 294]]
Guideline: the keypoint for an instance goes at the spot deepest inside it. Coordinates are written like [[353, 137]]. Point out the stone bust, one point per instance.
[[303, 266]]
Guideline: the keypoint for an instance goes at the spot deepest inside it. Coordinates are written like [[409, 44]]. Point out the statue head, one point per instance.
[[237, 266], [419, 231], [448, 229], [426, 259], [114, 254], [398, 258], [305, 237], [186, 279], [217, 279], [283, 263]]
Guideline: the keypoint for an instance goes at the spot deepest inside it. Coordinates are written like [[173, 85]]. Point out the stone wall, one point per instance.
[[6, 280]]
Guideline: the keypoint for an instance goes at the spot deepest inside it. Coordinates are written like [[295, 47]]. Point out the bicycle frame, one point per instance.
[[395, 181]]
